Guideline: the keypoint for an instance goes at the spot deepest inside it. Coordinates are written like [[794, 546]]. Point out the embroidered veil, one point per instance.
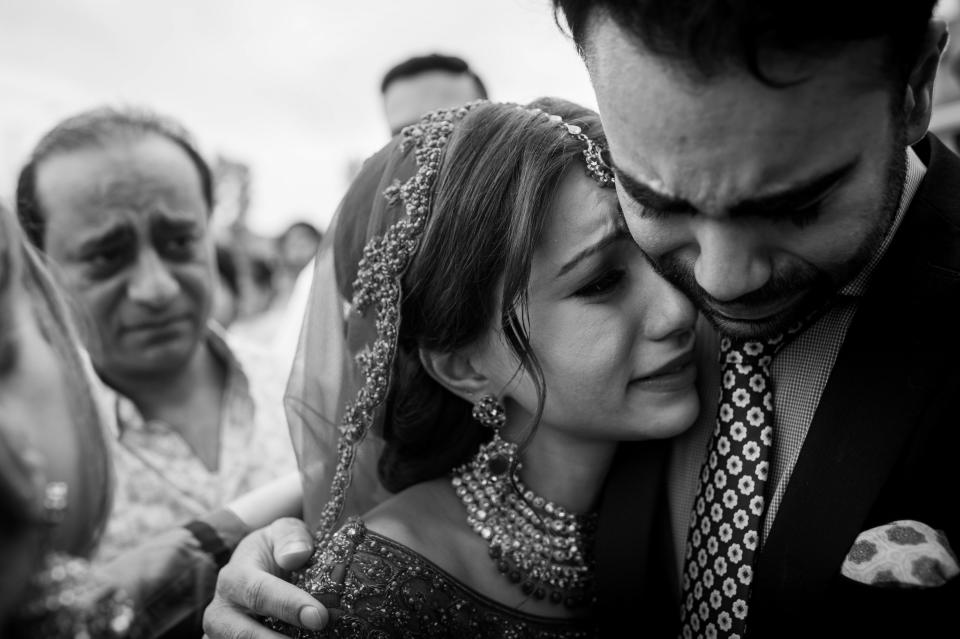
[[325, 380]]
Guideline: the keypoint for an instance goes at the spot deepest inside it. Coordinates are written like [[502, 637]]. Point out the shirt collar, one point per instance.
[[915, 172], [129, 417]]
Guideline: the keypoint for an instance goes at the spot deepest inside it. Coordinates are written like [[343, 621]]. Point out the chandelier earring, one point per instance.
[[490, 412], [537, 545]]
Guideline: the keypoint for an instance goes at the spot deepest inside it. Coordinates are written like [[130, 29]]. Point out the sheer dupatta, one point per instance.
[[344, 362]]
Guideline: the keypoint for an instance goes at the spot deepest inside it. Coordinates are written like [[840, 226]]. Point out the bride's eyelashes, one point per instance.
[[606, 283]]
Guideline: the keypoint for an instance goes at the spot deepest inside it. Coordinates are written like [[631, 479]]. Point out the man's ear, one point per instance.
[[918, 101], [456, 372]]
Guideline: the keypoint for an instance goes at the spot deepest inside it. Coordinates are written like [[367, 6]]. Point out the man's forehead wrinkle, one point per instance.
[[704, 190], [135, 192], [684, 182]]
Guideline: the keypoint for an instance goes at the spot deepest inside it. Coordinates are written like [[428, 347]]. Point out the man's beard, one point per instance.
[[814, 288]]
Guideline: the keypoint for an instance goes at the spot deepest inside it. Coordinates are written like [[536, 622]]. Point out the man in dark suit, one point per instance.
[[773, 161]]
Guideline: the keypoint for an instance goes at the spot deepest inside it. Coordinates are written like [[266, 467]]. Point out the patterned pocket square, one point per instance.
[[901, 554]]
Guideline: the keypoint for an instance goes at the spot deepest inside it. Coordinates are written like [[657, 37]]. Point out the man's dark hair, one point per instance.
[[433, 62], [708, 34], [99, 128]]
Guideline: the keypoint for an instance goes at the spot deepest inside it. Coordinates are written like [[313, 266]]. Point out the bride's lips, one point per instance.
[[677, 374]]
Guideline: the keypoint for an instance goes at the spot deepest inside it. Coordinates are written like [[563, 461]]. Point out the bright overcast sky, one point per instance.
[[289, 86]]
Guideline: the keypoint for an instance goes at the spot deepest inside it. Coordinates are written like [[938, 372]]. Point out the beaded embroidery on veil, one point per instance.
[[341, 373]]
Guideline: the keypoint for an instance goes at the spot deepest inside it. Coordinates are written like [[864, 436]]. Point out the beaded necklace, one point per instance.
[[538, 545]]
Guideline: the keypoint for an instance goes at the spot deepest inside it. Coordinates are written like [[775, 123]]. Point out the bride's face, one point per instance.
[[614, 339]]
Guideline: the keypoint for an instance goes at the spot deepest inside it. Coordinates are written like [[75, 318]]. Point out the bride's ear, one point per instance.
[[456, 372]]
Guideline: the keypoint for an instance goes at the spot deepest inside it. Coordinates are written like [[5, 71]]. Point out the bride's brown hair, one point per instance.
[[499, 177]]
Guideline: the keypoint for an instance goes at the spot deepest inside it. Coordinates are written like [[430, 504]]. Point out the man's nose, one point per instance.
[[152, 284], [731, 262]]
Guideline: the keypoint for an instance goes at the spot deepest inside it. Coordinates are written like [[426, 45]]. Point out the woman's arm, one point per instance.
[[282, 497]]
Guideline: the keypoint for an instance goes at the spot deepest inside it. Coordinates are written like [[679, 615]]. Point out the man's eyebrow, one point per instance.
[[791, 199], [651, 199], [794, 198], [615, 235], [112, 234], [173, 225]]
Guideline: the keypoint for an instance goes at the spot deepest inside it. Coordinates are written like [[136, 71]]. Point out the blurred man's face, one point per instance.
[[406, 99], [298, 248], [757, 202], [127, 229]]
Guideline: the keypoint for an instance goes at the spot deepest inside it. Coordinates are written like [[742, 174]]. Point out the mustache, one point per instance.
[[680, 273]]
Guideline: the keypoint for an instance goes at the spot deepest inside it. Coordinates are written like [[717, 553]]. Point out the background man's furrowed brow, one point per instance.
[[105, 237], [174, 225]]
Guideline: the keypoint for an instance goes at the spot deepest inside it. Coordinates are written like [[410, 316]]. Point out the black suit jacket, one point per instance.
[[884, 445]]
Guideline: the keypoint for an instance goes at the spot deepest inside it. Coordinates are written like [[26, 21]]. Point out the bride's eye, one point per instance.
[[606, 283]]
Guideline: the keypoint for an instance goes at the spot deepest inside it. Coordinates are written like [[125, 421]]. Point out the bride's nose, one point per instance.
[[670, 314]]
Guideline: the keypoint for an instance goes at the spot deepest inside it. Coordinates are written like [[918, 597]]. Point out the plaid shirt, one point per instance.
[[800, 373]]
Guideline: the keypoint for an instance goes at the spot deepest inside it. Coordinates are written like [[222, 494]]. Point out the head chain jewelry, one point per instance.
[[597, 167], [385, 260]]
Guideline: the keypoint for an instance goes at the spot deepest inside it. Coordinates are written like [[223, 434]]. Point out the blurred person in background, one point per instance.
[[55, 474], [119, 201], [56, 484], [410, 88], [226, 297], [272, 279], [424, 83], [296, 246], [259, 296]]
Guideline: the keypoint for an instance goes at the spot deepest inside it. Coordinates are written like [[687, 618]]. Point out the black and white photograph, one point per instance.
[[521, 319]]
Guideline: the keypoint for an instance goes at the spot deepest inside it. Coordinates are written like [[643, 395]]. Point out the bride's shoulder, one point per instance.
[[404, 513], [429, 519]]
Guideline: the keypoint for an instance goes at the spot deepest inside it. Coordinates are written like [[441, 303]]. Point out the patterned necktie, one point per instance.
[[725, 528]]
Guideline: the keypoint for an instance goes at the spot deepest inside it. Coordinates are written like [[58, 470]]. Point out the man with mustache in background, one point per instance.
[[120, 201]]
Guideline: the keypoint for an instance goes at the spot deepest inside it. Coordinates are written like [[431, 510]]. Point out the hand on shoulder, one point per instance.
[[252, 583]]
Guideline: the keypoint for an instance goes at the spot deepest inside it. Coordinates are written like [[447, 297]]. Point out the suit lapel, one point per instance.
[[890, 358], [634, 544]]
